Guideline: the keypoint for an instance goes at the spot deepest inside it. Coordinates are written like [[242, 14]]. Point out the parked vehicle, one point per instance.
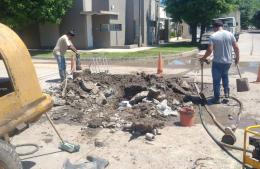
[[230, 25]]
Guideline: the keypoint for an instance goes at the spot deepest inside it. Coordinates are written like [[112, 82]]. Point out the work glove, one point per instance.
[[202, 60]]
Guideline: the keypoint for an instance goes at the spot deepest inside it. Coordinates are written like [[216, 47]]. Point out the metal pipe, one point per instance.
[[93, 61], [107, 63]]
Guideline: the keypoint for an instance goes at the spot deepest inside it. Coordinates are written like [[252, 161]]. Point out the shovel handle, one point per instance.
[[53, 126], [238, 70]]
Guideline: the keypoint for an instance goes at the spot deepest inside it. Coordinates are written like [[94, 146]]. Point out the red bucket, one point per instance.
[[187, 116]]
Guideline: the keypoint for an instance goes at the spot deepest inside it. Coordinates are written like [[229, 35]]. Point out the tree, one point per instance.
[[248, 9], [198, 12], [256, 19], [18, 13]]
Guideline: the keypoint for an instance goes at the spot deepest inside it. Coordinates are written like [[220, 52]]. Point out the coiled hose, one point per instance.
[[219, 125], [223, 146], [28, 145]]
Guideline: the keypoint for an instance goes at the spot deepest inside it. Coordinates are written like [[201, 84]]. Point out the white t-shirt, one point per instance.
[[62, 45]]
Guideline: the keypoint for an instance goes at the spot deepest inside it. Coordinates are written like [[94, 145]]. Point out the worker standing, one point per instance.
[[63, 44], [221, 43]]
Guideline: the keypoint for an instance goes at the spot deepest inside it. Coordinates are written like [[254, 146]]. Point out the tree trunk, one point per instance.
[[177, 30], [193, 28], [203, 29]]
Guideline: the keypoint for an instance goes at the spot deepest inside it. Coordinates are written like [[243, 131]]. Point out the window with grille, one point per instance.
[[110, 27]]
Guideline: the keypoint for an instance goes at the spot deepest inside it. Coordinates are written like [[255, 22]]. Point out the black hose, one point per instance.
[[215, 140], [28, 145], [219, 125]]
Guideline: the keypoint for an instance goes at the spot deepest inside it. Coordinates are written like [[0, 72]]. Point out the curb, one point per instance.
[[175, 56]]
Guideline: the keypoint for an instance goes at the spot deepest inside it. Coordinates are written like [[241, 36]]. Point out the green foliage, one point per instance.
[[196, 12], [248, 8], [18, 13], [256, 19]]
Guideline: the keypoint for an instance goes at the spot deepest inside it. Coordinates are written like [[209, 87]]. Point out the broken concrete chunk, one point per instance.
[[128, 126], [89, 87], [188, 104], [56, 117], [175, 102], [146, 126], [139, 97], [153, 93], [185, 85], [68, 165], [113, 119], [156, 101], [124, 104], [165, 110], [94, 163], [111, 125], [161, 97], [176, 88], [149, 136], [86, 86], [109, 92], [101, 99], [77, 74], [101, 163], [83, 95], [59, 101], [71, 94], [131, 91], [95, 123], [95, 90], [98, 143], [162, 106], [146, 100]]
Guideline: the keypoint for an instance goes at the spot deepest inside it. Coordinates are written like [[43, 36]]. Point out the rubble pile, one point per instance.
[[131, 102]]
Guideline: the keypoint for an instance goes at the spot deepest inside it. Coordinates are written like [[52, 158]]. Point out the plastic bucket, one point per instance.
[[187, 116]]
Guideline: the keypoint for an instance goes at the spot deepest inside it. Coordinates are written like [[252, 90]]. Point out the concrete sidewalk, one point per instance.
[[106, 50]]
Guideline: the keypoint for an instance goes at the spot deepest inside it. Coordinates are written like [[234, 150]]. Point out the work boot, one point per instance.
[[214, 101], [226, 93], [225, 101]]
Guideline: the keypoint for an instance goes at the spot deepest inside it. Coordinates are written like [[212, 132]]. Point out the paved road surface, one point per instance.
[[249, 44]]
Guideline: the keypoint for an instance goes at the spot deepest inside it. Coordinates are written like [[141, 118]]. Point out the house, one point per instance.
[[101, 24], [165, 24]]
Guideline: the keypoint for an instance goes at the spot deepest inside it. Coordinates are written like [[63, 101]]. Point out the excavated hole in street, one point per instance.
[[136, 103]]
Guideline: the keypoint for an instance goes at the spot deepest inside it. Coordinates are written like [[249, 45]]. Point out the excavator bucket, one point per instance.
[[21, 98]]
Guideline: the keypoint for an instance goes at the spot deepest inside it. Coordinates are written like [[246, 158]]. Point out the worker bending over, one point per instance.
[[63, 44]]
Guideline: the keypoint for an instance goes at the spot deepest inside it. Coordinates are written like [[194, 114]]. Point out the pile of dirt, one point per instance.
[[132, 102]]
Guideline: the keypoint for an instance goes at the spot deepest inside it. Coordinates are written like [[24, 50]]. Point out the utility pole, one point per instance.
[[140, 26]]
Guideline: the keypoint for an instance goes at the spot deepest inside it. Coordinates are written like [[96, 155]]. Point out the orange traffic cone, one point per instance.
[[72, 64], [160, 65], [258, 75]]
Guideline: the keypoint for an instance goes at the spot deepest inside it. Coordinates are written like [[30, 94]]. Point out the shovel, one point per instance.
[[242, 83]]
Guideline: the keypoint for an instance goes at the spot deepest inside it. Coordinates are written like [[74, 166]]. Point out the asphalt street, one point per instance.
[[249, 44]]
